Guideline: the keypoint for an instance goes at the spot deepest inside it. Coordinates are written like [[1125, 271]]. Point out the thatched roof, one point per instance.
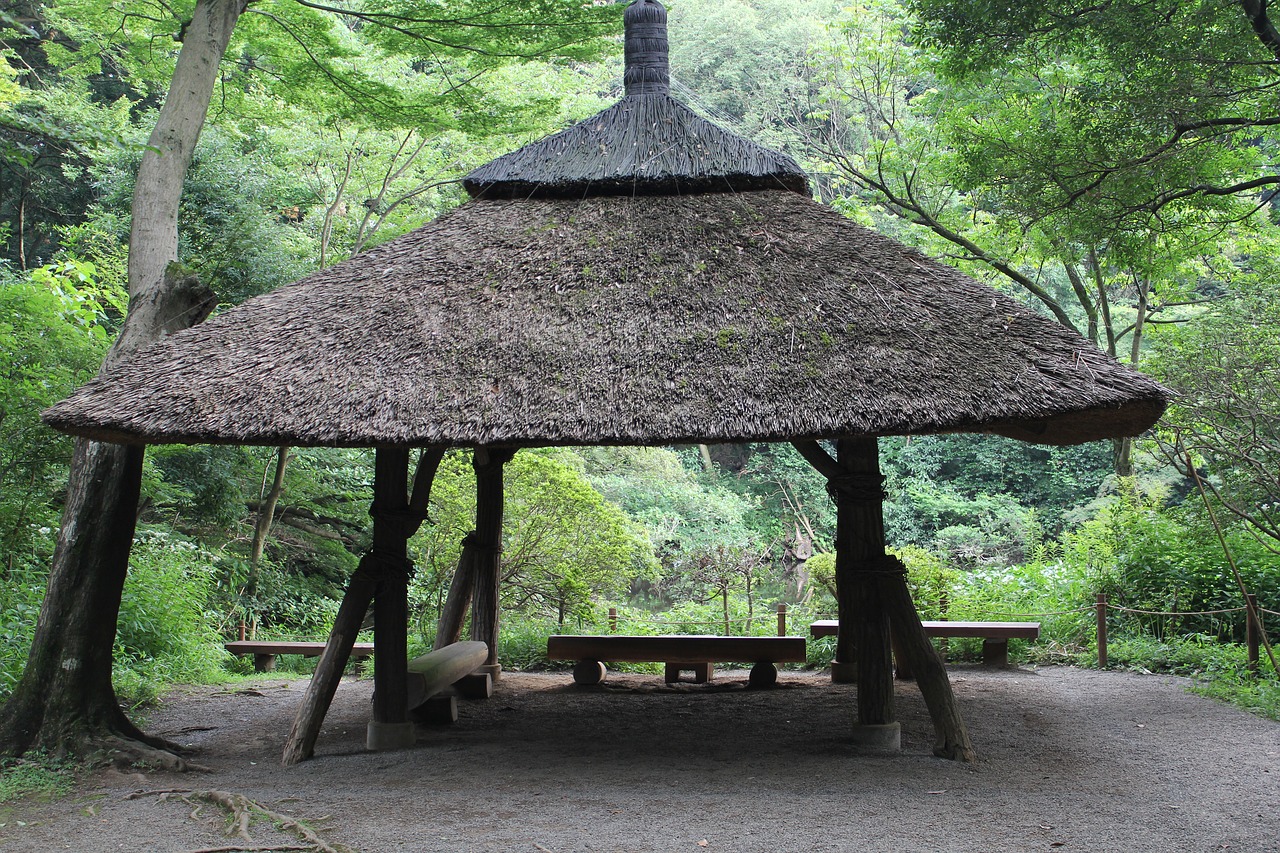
[[647, 143], [641, 278], [633, 320]]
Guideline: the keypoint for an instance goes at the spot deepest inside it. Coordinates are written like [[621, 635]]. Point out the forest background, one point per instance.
[[1111, 164]]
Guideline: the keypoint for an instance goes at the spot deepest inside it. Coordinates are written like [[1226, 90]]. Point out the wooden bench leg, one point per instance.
[[588, 672], [439, 710], [702, 672], [763, 676], [995, 653], [264, 663]]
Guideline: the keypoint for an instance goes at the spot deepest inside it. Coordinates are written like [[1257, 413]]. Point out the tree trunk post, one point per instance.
[[859, 554], [390, 727], [461, 588], [301, 743], [488, 464], [395, 519], [856, 486], [782, 620]]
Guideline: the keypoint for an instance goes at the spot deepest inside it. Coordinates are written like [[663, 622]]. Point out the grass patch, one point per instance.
[[35, 778]]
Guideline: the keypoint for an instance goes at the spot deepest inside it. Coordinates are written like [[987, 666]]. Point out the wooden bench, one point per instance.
[[431, 676], [995, 635], [678, 652], [264, 651]]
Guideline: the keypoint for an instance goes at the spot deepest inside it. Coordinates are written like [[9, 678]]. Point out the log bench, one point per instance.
[[264, 651], [678, 652], [995, 636], [431, 677]]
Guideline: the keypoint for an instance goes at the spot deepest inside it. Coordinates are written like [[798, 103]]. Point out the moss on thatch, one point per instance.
[[635, 320]]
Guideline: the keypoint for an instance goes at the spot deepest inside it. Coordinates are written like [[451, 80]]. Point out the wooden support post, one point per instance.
[[1252, 634], [454, 612], [944, 605], [1101, 608], [488, 464], [382, 578], [613, 620], [782, 620], [855, 479], [390, 727], [925, 664], [859, 550], [301, 742]]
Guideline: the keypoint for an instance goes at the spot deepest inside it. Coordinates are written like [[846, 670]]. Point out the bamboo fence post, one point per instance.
[[782, 620], [1102, 630], [1251, 633]]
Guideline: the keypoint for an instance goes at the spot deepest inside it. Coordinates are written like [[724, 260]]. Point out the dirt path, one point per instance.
[[1069, 760]]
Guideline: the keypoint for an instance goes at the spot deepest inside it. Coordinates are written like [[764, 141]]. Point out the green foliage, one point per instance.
[[50, 341], [1227, 410], [1119, 109], [165, 633], [564, 545], [20, 597]]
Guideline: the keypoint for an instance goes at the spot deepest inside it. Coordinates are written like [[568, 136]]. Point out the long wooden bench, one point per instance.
[[264, 651], [995, 635], [678, 652]]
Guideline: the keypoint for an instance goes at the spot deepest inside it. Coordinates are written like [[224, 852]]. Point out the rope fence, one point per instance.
[[1253, 630]]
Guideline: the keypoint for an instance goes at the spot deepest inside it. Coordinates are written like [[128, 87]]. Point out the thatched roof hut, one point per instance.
[[643, 277]]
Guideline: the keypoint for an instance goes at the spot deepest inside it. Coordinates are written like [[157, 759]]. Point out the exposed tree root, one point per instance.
[[241, 811], [125, 753]]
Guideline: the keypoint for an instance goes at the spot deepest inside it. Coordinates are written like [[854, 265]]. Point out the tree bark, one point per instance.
[[262, 526], [65, 701]]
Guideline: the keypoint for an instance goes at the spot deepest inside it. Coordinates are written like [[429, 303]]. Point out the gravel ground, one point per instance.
[[1068, 760]]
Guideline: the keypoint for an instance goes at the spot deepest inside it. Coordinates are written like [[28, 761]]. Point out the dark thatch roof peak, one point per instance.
[[646, 144]]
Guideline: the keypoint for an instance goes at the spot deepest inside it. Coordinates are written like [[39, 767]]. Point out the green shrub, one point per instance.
[[20, 598], [165, 634]]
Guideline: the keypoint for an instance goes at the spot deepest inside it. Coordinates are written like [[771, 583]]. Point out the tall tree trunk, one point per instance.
[[262, 526], [65, 701]]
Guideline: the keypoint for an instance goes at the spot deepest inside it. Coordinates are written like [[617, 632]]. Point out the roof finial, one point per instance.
[[646, 49]]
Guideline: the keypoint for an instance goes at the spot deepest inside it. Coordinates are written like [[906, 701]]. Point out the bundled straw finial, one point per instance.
[[647, 70]]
